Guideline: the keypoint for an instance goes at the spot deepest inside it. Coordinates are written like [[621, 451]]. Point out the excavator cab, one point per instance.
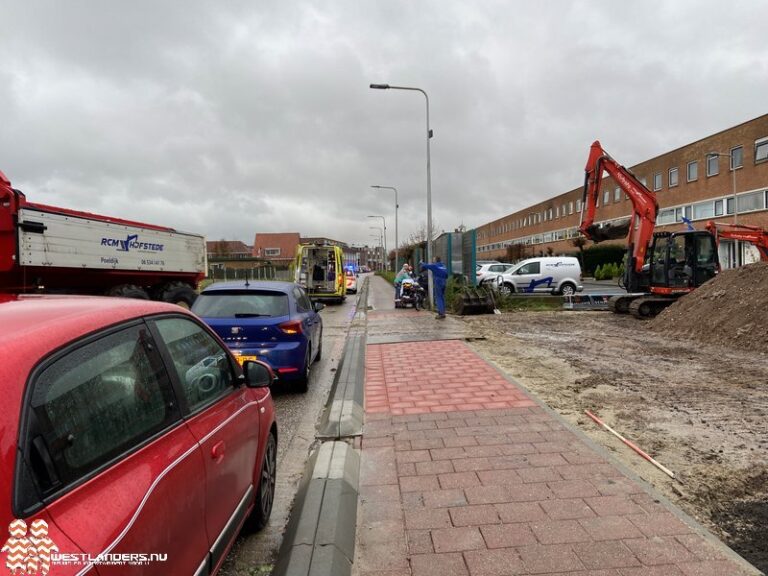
[[682, 261]]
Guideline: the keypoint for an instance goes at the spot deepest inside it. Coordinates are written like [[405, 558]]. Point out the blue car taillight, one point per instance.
[[291, 327]]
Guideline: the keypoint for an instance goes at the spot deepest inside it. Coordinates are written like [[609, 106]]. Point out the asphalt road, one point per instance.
[[297, 416]]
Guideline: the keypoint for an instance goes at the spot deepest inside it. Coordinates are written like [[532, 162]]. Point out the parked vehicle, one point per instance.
[[479, 263], [411, 294], [351, 282], [319, 269], [58, 250], [553, 274], [490, 271], [274, 322], [130, 429], [489, 276]]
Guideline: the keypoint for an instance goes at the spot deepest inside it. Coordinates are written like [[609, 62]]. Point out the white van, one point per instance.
[[553, 274]]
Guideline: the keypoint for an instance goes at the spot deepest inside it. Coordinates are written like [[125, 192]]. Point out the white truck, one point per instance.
[[46, 249]]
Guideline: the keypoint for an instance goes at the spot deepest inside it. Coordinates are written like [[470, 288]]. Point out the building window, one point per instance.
[[718, 207], [578, 205], [570, 207], [682, 212], [606, 197], [557, 211], [673, 173], [666, 216], [550, 213], [271, 252], [644, 181], [693, 171], [657, 181], [761, 150], [737, 157], [752, 201], [713, 165], [617, 194], [704, 210]]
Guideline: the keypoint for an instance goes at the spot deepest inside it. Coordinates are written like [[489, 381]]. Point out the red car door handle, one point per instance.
[[218, 450]]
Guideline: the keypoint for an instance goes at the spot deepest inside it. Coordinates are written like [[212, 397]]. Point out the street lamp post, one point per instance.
[[381, 234], [396, 207], [385, 235], [729, 155], [429, 175]]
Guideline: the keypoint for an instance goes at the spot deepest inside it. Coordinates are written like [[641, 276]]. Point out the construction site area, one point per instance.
[[689, 387]]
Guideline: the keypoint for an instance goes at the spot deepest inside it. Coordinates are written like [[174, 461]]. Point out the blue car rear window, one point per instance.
[[241, 304]]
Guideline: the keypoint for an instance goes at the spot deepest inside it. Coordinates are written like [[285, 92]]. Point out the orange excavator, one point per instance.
[[660, 266], [744, 232]]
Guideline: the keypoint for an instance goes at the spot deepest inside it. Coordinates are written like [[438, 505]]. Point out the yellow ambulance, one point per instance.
[[320, 269]]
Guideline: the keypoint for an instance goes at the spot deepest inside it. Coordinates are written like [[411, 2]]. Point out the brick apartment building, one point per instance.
[[278, 247], [688, 183]]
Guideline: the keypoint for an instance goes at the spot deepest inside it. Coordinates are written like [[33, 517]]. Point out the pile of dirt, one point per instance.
[[729, 310]]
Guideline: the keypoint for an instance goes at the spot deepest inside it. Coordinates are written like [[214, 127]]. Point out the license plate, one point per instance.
[[242, 359]]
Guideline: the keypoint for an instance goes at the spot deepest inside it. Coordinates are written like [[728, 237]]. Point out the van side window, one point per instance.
[[202, 365], [94, 403], [530, 268]]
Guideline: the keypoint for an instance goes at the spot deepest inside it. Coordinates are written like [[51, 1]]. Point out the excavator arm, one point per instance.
[[754, 234], [639, 228]]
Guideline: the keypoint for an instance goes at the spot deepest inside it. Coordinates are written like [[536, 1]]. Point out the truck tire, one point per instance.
[[128, 291], [179, 293]]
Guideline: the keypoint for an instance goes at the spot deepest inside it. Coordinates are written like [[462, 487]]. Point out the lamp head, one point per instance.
[[380, 86]]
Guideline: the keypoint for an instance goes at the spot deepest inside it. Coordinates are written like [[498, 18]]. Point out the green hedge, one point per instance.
[[388, 275], [600, 255], [609, 271]]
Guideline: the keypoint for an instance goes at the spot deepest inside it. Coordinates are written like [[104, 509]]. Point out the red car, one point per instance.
[[131, 441]]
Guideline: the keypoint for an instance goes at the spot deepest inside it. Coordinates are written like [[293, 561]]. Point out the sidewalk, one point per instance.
[[463, 473]]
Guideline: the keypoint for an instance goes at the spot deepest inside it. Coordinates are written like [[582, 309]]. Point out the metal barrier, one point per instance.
[[587, 301]]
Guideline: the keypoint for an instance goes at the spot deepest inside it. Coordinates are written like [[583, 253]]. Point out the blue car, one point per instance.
[[270, 321]]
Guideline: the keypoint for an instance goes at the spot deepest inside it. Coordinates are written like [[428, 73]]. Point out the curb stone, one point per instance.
[[320, 537], [344, 412]]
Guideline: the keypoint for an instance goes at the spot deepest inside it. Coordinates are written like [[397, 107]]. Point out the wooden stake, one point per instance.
[[632, 445]]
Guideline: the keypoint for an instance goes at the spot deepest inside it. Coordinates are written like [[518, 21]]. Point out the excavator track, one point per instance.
[[649, 306], [620, 304]]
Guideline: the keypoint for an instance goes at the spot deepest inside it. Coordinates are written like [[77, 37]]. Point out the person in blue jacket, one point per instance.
[[439, 276]]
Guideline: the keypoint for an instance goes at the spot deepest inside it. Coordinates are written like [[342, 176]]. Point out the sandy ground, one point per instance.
[[698, 409]]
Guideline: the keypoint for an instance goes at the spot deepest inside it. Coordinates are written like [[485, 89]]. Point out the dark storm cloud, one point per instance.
[[237, 117]]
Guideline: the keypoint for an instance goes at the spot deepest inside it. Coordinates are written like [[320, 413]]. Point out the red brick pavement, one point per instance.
[[452, 485], [437, 376]]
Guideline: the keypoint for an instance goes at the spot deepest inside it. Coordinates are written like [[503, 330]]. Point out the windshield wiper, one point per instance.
[[249, 315]]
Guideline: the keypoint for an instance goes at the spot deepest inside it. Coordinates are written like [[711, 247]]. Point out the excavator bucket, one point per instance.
[[610, 231], [475, 301]]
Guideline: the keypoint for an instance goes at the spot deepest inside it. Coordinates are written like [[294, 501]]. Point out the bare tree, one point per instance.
[[221, 248], [579, 242], [516, 252], [420, 235]]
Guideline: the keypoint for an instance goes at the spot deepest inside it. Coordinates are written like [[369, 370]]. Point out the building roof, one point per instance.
[[276, 246], [227, 247]]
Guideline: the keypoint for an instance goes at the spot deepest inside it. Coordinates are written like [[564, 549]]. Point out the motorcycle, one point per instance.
[[411, 293]]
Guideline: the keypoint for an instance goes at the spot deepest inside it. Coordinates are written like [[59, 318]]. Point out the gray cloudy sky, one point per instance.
[[228, 118]]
